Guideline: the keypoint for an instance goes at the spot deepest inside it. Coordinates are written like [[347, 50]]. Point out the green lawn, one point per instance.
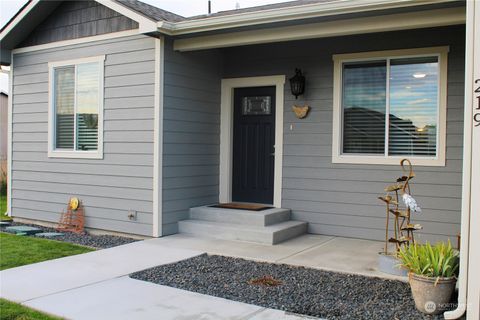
[[15, 311], [19, 250], [3, 207]]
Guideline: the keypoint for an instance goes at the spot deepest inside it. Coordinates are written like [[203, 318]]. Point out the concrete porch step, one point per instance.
[[271, 234], [244, 217]]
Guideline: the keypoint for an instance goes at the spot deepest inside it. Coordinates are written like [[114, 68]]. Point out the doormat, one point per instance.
[[242, 206]]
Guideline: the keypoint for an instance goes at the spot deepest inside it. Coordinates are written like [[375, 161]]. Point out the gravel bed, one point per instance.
[[85, 239], [312, 292]]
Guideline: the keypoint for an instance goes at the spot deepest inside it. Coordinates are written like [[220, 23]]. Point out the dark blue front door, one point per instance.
[[253, 144]]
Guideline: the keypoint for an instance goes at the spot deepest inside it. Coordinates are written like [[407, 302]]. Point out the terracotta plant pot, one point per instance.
[[431, 295]]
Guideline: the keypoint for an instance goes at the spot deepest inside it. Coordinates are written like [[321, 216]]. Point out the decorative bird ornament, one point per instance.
[[301, 111], [411, 203]]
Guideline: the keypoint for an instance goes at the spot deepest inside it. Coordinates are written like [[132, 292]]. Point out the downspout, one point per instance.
[[467, 166]]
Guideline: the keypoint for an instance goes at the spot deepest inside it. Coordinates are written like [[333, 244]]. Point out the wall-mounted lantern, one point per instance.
[[297, 83]]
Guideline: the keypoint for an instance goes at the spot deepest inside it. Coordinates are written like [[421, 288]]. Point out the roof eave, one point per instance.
[[287, 14]]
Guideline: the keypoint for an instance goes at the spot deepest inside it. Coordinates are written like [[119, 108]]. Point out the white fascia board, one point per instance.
[[288, 13], [18, 18], [391, 22], [145, 24]]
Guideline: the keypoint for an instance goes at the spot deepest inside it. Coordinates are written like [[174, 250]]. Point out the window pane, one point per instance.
[[87, 106], [413, 106], [364, 105], [256, 105], [64, 107]]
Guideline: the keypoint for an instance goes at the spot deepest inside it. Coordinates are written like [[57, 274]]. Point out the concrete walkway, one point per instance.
[[337, 254], [96, 285]]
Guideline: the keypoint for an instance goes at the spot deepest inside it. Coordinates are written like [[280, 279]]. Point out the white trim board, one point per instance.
[[9, 139], [226, 132], [64, 43], [76, 154], [158, 139], [392, 22], [146, 25], [306, 11]]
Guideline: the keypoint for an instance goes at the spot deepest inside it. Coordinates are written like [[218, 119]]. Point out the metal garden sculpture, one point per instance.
[[403, 228]]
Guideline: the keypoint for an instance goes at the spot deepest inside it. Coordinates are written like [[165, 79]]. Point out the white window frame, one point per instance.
[[81, 154], [337, 138]]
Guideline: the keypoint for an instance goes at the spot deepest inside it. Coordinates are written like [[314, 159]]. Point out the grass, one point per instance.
[[3, 207], [17, 251], [15, 311]]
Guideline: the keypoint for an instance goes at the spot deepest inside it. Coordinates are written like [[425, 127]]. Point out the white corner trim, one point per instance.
[[146, 25], [158, 139], [75, 154], [226, 132], [9, 138], [339, 59], [64, 43], [392, 22], [468, 278]]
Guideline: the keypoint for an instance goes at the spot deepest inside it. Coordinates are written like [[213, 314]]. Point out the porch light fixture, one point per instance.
[[297, 83]]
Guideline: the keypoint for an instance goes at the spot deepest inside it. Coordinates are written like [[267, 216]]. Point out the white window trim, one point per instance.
[[52, 153], [339, 59]]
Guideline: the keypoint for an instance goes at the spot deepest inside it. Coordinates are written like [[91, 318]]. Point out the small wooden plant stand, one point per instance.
[[74, 219], [403, 228]]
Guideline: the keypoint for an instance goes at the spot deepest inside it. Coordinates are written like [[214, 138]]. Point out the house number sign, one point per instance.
[[476, 115]]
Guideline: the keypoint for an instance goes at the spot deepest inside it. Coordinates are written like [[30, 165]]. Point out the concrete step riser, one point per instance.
[[230, 232], [242, 217]]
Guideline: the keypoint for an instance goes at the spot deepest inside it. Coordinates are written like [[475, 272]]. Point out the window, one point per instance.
[[390, 105], [76, 108]]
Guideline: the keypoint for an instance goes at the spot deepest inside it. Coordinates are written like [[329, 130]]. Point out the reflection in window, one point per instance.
[[364, 88], [77, 100], [410, 94], [413, 106]]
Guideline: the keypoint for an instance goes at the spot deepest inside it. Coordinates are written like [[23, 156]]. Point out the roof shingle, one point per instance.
[[151, 12]]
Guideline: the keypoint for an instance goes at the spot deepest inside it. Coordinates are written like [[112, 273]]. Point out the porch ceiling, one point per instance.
[[341, 27]]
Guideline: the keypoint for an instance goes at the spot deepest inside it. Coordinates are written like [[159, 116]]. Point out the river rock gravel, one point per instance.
[[306, 291], [84, 239]]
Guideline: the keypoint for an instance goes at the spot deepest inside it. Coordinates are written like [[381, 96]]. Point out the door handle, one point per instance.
[[272, 154]]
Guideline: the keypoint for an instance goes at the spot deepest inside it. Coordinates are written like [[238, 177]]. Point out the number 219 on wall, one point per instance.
[[476, 116]]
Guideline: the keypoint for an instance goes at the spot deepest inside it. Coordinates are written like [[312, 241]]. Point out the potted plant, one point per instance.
[[432, 274]]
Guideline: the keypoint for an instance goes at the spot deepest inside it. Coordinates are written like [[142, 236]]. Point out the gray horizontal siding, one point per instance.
[[77, 19], [109, 187], [341, 199], [191, 133]]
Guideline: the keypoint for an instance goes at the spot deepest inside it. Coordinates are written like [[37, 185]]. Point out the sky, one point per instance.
[[182, 7]]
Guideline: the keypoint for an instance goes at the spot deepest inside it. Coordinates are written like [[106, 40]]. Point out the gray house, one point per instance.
[[3, 131], [150, 117]]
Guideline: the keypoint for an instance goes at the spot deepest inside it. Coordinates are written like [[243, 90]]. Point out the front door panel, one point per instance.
[[253, 144]]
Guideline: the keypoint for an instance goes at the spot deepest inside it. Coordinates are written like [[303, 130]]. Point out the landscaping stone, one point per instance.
[[312, 292], [49, 234], [28, 230], [5, 223], [84, 239]]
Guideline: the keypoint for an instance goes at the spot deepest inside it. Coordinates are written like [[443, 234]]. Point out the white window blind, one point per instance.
[[405, 89], [76, 104]]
